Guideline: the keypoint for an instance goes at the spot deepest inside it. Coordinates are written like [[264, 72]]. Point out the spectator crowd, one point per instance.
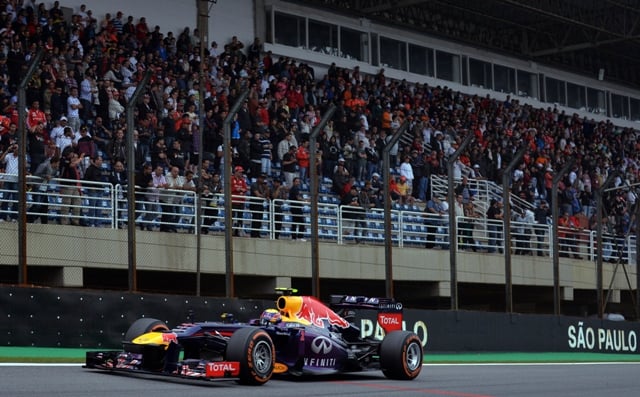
[[92, 64]]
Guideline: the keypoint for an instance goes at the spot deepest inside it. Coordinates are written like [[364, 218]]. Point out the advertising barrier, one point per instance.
[[78, 318]]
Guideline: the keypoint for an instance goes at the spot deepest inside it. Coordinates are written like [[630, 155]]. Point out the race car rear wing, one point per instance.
[[389, 311]]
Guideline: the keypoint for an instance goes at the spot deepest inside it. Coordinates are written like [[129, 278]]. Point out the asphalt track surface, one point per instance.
[[452, 380]]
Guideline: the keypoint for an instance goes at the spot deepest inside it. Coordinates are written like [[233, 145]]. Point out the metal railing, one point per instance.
[[103, 205], [483, 192]]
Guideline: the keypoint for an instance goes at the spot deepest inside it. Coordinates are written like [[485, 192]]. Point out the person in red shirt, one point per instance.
[[35, 116], [238, 190], [5, 123], [303, 160], [568, 229]]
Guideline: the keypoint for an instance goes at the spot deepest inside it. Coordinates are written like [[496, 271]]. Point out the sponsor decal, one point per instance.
[[279, 368], [321, 345], [392, 306], [373, 329], [319, 362], [601, 339], [169, 337], [390, 321], [219, 369]]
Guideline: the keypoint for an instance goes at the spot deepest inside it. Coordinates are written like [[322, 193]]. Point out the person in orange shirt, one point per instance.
[[303, 160], [386, 118], [568, 227]]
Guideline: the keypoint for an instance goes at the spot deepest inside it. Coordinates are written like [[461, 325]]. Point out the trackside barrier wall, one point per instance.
[[98, 319]]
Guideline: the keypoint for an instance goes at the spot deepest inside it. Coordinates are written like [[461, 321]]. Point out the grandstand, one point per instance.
[[378, 75]]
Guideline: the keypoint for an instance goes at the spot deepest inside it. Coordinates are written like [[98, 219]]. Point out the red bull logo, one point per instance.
[[310, 309]]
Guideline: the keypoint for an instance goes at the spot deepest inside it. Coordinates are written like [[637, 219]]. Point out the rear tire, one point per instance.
[[253, 348], [142, 326], [401, 355]]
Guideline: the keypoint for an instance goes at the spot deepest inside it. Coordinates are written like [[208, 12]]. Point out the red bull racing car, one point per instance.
[[301, 336]]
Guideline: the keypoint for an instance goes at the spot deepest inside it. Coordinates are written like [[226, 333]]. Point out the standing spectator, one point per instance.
[[118, 176], [298, 223], [406, 170], [495, 225], [238, 191], [267, 153], [45, 171], [95, 173], [85, 143], [88, 90], [117, 149], [10, 202], [461, 225], [434, 218], [210, 195], [255, 155], [102, 136], [352, 213], [289, 163], [172, 199], [70, 188], [361, 162], [303, 156], [73, 110], [35, 116], [541, 214], [526, 219], [37, 148], [279, 194], [146, 195], [467, 226], [259, 196], [568, 227]]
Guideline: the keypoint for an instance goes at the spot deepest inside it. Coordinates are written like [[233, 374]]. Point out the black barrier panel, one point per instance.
[[74, 318], [462, 331]]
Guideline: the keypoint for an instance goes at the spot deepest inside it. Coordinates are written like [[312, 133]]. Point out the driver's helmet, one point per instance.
[[270, 316]]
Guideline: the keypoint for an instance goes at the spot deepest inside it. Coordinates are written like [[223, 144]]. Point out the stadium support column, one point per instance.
[[228, 209], [388, 238], [506, 219], [313, 168], [131, 186], [555, 214], [637, 302], [22, 169], [453, 226], [599, 208], [203, 29]]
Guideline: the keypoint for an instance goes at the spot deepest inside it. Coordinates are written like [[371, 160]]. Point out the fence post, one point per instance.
[[22, 169], [506, 233], [555, 215], [228, 210], [388, 239], [313, 186]]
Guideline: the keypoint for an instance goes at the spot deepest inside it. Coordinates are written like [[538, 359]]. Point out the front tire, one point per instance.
[[254, 349], [401, 355], [142, 326]]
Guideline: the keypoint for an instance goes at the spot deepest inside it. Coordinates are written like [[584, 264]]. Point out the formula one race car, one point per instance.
[[302, 336]]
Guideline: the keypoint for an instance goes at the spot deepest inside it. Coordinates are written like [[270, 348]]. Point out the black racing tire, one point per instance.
[[401, 355], [142, 326], [253, 348]]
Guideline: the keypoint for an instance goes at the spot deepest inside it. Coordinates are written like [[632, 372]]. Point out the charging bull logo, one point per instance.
[[310, 309]]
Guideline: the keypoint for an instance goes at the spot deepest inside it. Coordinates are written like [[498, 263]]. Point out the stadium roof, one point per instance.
[[582, 36]]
